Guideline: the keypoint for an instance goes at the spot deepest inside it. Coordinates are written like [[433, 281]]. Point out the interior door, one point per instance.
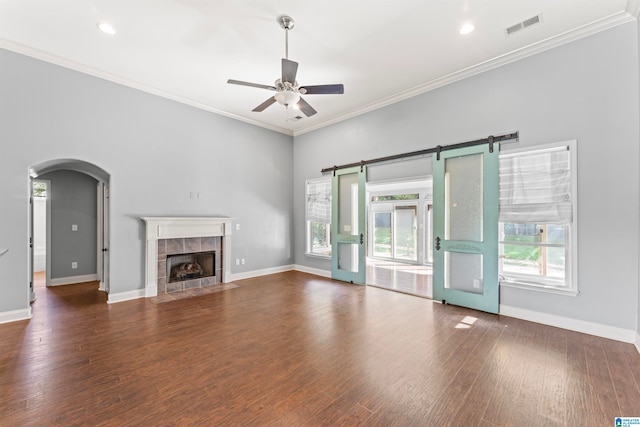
[[32, 293], [465, 247], [103, 235], [348, 235]]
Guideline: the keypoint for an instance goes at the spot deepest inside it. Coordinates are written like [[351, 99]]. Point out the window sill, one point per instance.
[[511, 283], [321, 256]]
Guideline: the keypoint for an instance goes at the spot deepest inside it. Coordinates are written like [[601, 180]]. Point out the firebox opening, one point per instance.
[[181, 267]]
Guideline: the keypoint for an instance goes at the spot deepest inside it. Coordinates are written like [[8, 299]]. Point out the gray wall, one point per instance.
[[73, 201], [156, 152], [586, 90]]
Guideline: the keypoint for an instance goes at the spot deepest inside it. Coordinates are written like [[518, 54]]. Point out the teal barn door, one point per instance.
[[465, 246], [348, 234]]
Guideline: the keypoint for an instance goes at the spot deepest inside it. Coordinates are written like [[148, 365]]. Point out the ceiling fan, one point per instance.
[[287, 89]]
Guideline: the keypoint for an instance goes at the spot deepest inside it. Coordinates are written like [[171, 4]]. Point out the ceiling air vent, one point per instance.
[[524, 24]]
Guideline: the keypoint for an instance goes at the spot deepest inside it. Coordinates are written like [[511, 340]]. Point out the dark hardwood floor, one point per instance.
[[293, 349]]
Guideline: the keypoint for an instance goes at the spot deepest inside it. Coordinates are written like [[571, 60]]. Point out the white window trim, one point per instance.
[[571, 244], [307, 232]]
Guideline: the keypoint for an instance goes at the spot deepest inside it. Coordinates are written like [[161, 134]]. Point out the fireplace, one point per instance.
[[184, 253], [181, 267]]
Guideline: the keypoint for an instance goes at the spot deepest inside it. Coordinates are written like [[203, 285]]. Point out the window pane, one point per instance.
[[526, 255], [348, 195], [521, 260], [319, 235], [534, 233], [405, 232], [393, 197], [555, 234], [463, 198], [555, 263], [382, 234]]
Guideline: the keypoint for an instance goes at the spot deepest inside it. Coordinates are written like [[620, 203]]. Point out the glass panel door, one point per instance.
[[466, 228], [382, 234], [406, 233], [428, 226], [348, 259]]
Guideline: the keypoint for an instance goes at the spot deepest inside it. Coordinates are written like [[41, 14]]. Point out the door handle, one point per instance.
[[437, 243], [361, 238]]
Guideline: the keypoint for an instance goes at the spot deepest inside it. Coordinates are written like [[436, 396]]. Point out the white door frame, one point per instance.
[[103, 220], [103, 235]]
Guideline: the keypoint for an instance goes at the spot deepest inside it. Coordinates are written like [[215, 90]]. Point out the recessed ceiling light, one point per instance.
[[467, 28], [106, 28]]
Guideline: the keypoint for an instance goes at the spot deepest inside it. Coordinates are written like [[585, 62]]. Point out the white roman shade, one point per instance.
[[535, 186], [319, 201]]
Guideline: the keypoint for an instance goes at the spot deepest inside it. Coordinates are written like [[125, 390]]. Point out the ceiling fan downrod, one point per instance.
[[287, 23]]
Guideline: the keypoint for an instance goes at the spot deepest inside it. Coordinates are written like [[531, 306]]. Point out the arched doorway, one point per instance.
[[102, 179]]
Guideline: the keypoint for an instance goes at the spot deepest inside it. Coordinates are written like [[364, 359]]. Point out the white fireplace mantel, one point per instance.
[[183, 227]]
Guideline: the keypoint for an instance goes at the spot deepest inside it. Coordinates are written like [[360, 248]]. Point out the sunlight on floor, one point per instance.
[[407, 278]]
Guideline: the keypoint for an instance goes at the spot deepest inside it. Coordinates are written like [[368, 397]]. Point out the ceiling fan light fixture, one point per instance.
[[287, 97]]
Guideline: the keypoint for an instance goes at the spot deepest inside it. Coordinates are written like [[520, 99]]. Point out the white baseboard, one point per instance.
[[74, 279], [258, 273], [591, 328], [310, 270], [637, 343], [15, 315], [125, 296]]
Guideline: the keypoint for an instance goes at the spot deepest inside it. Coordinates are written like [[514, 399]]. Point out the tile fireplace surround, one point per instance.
[[194, 234]]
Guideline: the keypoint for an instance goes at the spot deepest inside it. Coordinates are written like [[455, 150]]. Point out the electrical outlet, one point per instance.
[[242, 261], [74, 265], [237, 227], [237, 261], [74, 227]]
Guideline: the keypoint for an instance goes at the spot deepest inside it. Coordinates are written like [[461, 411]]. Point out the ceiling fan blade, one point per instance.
[[289, 70], [264, 105], [324, 89], [306, 108], [258, 85]]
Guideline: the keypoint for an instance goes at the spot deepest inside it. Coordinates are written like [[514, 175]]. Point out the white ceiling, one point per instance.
[[382, 51]]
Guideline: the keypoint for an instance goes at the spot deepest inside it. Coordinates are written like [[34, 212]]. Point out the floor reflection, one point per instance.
[[406, 278]]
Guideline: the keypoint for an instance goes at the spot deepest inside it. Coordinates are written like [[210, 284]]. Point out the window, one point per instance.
[[39, 189], [395, 226], [537, 245], [382, 234], [318, 217], [393, 197]]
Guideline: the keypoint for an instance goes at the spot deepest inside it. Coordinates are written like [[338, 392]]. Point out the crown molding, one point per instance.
[[76, 66], [516, 55], [631, 13], [633, 8]]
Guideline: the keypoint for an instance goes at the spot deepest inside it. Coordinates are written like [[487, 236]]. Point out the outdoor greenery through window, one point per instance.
[[534, 250], [537, 217], [318, 217], [39, 189], [393, 197]]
